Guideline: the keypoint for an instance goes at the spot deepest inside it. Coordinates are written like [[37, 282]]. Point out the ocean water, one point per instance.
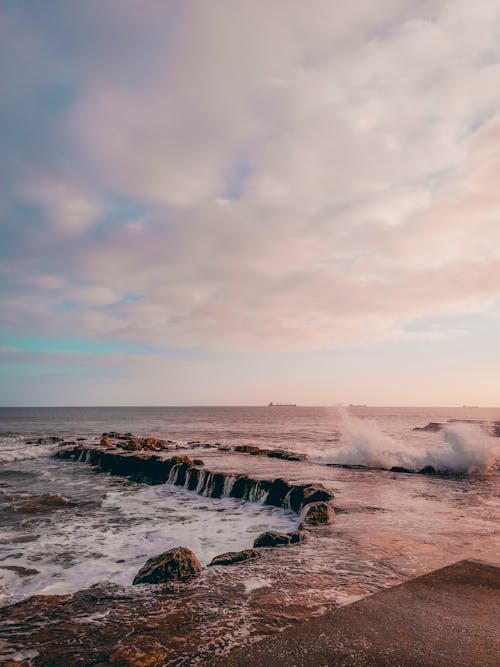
[[65, 526]]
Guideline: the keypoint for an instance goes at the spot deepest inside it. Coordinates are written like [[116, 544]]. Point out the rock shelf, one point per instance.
[[181, 470]]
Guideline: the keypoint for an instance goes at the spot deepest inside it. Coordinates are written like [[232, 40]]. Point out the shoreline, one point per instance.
[[187, 623]]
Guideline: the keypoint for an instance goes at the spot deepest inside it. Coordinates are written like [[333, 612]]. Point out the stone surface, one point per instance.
[[297, 536], [316, 514], [233, 557], [271, 539], [448, 617], [177, 564]]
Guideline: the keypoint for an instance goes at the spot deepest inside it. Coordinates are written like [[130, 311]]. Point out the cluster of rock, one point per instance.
[[48, 440], [253, 450], [180, 563], [493, 427], [134, 443], [312, 502]]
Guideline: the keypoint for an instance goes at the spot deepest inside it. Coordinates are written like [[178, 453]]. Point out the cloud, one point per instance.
[[307, 179]]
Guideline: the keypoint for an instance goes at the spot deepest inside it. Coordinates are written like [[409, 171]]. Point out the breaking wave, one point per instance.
[[16, 449], [458, 448]]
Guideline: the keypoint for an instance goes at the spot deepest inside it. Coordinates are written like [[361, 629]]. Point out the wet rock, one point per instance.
[[316, 514], [198, 462], [106, 441], [49, 440], [21, 571], [277, 492], [252, 450], [177, 564], [232, 557], [433, 427], [286, 455], [297, 536], [182, 459], [400, 469], [271, 539], [301, 495], [44, 503], [427, 470]]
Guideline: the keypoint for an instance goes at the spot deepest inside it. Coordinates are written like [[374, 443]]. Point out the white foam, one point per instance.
[[459, 448], [112, 542], [16, 449], [254, 583]]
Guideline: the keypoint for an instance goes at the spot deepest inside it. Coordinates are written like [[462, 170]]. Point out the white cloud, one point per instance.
[[367, 134]]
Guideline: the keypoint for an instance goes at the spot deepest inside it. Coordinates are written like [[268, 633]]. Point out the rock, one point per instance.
[[427, 470], [21, 571], [316, 514], [177, 564], [271, 539], [299, 496], [198, 462], [400, 469], [277, 492], [232, 557], [106, 441], [44, 503], [181, 459], [252, 450], [286, 455], [297, 536], [433, 427]]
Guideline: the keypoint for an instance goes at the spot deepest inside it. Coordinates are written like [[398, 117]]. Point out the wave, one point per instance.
[[15, 449], [458, 448]]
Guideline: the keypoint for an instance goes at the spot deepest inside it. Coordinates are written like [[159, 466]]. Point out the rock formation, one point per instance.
[[177, 564]]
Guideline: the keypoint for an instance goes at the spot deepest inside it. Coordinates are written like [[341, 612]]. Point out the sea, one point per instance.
[[65, 526]]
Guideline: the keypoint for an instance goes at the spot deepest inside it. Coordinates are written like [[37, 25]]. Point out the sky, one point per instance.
[[236, 202]]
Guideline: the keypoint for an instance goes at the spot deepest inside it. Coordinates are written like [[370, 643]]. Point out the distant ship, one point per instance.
[[281, 405]]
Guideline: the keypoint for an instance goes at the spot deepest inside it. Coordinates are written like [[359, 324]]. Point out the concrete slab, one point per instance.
[[450, 617]]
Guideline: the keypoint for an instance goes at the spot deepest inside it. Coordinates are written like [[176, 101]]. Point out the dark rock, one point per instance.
[[44, 503], [316, 514], [193, 477], [427, 470], [177, 564], [240, 486], [277, 492], [182, 459], [271, 539], [297, 536], [433, 427], [299, 496], [233, 557], [198, 462], [19, 570], [286, 455], [252, 450], [400, 469], [49, 440], [106, 441]]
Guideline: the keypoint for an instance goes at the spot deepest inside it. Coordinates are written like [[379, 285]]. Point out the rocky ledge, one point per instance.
[[312, 502], [181, 470]]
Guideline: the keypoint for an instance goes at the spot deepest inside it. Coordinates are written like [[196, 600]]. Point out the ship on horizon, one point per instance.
[[281, 405]]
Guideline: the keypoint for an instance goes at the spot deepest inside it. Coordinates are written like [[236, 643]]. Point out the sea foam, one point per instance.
[[458, 448]]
